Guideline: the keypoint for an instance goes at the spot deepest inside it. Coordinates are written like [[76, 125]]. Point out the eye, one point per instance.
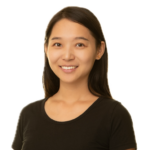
[[81, 44], [56, 43], [60, 44]]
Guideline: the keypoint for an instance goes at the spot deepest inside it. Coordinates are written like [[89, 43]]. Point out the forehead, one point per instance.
[[69, 30]]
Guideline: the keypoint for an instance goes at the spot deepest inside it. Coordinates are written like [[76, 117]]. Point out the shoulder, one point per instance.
[[109, 104], [119, 116], [114, 108], [32, 107], [119, 111]]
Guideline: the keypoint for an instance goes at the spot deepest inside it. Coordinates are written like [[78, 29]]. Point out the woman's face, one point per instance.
[[70, 50]]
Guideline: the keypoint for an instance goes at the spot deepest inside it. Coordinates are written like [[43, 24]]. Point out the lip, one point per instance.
[[68, 65], [68, 70]]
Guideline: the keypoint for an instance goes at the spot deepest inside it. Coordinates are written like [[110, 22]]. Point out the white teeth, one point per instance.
[[68, 67]]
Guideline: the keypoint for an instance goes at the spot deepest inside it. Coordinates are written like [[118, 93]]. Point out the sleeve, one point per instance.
[[122, 134], [18, 138]]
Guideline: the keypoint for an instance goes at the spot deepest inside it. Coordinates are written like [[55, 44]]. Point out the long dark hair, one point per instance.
[[97, 81]]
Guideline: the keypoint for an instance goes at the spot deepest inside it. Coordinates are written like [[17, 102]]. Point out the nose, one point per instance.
[[68, 54]]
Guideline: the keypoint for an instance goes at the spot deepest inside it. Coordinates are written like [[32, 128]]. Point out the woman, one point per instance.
[[78, 111]]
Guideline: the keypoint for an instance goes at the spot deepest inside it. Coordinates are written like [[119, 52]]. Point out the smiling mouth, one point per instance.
[[65, 66], [68, 66]]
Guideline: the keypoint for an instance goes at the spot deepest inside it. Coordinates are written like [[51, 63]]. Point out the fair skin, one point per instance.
[[79, 52]]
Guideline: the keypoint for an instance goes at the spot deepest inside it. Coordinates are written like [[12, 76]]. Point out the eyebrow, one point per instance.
[[74, 38]]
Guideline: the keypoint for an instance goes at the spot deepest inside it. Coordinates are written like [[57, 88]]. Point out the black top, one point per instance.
[[105, 125]]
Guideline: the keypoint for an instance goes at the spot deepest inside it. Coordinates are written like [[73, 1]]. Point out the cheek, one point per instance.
[[86, 64], [53, 57], [85, 59]]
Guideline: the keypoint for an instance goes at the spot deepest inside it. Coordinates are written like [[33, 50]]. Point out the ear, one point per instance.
[[100, 51]]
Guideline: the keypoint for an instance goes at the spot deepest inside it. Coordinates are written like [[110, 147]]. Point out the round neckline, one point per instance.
[[72, 120]]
